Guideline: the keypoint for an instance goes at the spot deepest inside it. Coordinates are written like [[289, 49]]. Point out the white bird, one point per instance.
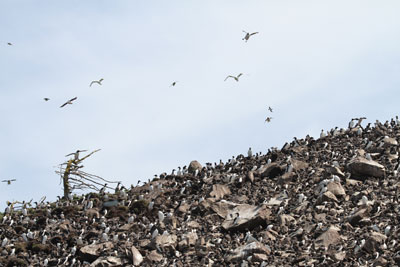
[[236, 78], [107, 230], [248, 35], [130, 219], [104, 237], [79, 242], [322, 134], [12, 252], [154, 234], [73, 250], [151, 205], [24, 237], [4, 242], [115, 238], [249, 153], [301, 198], [98, 82], [387, 230], [45, 262], [368, 156], [44, 239], [161, 216]]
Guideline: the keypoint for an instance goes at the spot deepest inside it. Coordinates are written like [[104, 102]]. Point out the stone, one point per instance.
[[153, 256], [137, 258], [250, 176], [92, 252], [373, 242], [193, 166], [329, 237], [166, 242], [249, 217], [285, 219], [107, 262], [390, 141], [362, 168], [244, 251], [327, 196], [219, 191], [271, 170], [360, 214], [336, 188]]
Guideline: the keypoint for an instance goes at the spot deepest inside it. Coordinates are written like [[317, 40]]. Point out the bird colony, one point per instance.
[[327, 201]]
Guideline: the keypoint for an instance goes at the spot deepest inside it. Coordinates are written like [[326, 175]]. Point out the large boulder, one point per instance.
[[246, 216], [193, 166], [329, 237], [361, 167], [93, 251]]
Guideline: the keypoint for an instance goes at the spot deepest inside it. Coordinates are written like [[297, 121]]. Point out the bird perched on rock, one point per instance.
[[234, 77], [98, 82], [69, 102], [8, 181], [248, 35]]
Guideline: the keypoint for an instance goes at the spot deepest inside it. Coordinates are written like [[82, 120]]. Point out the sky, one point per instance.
[[316, 63]]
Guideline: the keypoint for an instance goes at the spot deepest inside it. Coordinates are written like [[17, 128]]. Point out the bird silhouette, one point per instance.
[[98, 82], [69, 102], [46, 99], [247, 36], [234, 77], [268, 119], [9, 43], [270, 109], [9, 181], [173, 84]]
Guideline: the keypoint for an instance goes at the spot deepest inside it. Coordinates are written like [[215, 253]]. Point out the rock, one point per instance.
[[335, 171], [390, 141], [339, 256], [361, 167], [107, 261], [329, 237], [285, 219], [246, 216], [298, 165], [327, 196], [193, 166], [271, 170], [250, 176], [336, 188], [137, 258], [373, 242], [92, 252], [219, 191], [247, 250], [358, 216], [153, 256], [166, 242]]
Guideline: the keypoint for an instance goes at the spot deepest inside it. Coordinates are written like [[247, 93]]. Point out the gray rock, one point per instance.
[[219, 191], [193, 166], [361, 167], [246, 216], [247, 250]]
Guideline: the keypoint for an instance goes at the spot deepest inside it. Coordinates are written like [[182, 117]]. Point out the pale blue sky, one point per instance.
[[317, 63]]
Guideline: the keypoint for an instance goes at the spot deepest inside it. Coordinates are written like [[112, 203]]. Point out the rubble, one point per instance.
[[331, 201]]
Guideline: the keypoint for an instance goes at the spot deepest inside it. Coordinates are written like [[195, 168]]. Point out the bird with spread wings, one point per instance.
[[9, 181], [247, 36], [69, 102], [234, 77], [98, 82]]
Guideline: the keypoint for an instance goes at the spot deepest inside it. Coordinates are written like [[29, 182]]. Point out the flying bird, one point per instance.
[[234, 77], [9, 43], [268, 119], [69, 102], [270, 109], [9, 181], [98, 82], [247, 36], [46, 99], [173, 84]]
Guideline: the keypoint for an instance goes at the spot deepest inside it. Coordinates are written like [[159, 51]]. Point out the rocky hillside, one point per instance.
[[328, 201]]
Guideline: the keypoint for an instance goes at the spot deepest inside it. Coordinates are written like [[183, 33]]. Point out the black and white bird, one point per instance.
[[236, 78], [69, 102], [9, 181], [248, 35], [268, 119], [98, 82]]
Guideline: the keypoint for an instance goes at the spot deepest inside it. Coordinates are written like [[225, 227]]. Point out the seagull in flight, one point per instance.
[[9, 181], [233, 77], [173, 84], [270, 109], [69, 102], [247, 36], [98, 82], [268, 119], [46, 99]]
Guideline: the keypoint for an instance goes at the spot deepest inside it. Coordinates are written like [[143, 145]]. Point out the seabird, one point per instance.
[[69, 102], [249, 152], [76, 154], [268, 119], [9, 181], [234, 77], [98, 82], [173, 84], [270, 109], [247, 36], [9, 43], [46, 99]]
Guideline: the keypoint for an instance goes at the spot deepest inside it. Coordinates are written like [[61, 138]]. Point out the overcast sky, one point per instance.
[[316, 63]]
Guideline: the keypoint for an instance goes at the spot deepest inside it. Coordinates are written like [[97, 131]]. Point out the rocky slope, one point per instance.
[[331, 201]]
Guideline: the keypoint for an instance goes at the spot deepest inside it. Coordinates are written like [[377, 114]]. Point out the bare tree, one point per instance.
[[74, 178]]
